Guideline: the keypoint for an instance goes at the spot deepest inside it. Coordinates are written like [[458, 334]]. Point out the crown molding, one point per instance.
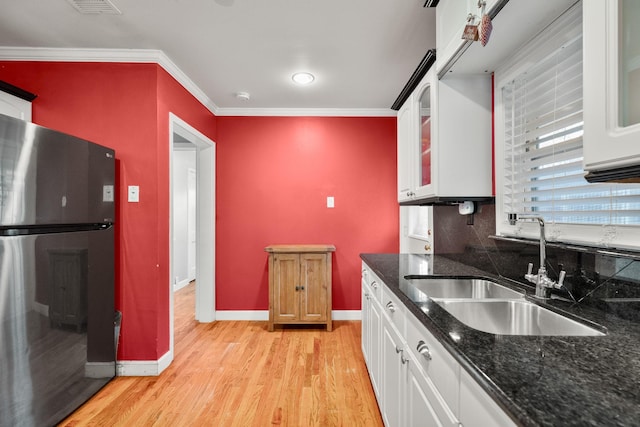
[[308, 112], [141, 56], [150, 56]]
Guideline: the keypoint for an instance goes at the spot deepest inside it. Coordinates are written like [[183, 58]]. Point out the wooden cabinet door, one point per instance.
[[286, 277], [313, 291]]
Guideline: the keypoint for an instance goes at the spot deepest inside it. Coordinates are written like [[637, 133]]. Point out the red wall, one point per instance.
[[273, 177], [125, 107]]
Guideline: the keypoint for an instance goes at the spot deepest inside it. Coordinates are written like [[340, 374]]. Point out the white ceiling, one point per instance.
[[362, 52]]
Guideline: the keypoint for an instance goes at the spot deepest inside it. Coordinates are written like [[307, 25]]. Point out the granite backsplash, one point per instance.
[[609, 281]]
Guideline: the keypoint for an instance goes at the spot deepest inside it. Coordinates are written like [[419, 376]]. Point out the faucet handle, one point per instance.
[[561, 278], [530, 268]]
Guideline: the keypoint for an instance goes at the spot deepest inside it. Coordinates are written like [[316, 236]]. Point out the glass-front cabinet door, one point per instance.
[[416, 140], [425, 137], [425, 143], [611, 84]]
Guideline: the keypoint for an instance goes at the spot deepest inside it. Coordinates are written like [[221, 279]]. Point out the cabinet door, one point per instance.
[[424, 147], [477, 408], [451, 18], [406, 137], [611, 84], [375, 348], [366, 323], [313, 287], [392, 375], [419, 411], [286, 277]]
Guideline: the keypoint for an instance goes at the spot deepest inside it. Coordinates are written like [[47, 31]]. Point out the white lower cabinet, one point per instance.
[[392, 376], [477, 408], [422, 400], [415, 379]]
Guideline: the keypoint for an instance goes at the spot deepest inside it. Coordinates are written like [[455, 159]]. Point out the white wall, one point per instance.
[[183, 160]]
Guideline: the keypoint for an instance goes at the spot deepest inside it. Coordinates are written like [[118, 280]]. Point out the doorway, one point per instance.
[[188, 141]]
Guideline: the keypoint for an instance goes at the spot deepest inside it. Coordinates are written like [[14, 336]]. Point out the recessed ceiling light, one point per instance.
[[303, 78]]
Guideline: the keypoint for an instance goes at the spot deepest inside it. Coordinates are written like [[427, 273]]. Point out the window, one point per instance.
[[539, 128]]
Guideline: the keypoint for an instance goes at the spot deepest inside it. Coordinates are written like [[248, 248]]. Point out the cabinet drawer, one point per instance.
[[435, 360], [394, 310], [372, 281]]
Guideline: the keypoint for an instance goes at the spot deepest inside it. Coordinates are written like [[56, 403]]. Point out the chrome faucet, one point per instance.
[[543, 283]]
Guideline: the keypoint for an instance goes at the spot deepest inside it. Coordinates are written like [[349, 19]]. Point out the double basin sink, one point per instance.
[[487, 306]]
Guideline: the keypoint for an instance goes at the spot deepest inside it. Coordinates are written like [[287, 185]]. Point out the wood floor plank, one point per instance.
[[239, 374]]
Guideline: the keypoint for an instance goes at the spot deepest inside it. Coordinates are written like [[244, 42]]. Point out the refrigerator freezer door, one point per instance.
[[48, 177]]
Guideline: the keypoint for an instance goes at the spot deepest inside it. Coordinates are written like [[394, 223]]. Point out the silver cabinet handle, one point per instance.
[[391, 307], [398, 349], [367, 296], [423, 349], [403, 359], [374, 284]]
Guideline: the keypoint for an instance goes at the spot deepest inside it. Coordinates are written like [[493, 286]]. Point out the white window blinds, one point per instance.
[[543, 172]]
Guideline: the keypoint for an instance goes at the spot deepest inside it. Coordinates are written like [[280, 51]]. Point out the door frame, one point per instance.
[[205, 306]]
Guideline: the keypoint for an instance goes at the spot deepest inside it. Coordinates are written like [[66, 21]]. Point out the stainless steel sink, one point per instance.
[[515, 317], [463, 288]]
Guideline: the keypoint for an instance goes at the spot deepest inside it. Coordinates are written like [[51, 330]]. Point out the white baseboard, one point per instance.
[[242, 315], [258, 315], [143, 368], [346, 315], [181, 284]]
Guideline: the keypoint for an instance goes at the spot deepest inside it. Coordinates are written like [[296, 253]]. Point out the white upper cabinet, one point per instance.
[[13, 106], [514, 23], [611, 85], [406, 136], [416, 128], [444, 140]]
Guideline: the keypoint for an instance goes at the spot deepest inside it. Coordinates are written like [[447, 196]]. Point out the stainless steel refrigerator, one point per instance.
[[57, 343]]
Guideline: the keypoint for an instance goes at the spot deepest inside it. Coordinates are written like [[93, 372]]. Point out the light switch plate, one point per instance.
[[330, 202], [134, 194]]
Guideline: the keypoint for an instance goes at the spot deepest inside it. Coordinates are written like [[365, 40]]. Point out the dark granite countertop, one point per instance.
[[537, 380]]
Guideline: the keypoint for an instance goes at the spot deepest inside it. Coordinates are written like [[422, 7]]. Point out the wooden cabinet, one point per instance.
[[300, 284], [611, 86]]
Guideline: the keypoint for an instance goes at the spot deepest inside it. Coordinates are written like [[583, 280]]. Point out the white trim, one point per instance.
[[181, 284], [151, 56], [263, 315], [308, 112], [143, 368], [205, 305], [254, 315], [346, 315], [142, 56]]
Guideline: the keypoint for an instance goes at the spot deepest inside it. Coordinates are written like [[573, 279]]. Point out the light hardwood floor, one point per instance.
[[238, 374]]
